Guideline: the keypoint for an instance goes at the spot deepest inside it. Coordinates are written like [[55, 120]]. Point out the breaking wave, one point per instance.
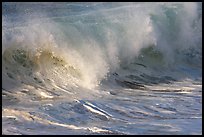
[[88, 47]]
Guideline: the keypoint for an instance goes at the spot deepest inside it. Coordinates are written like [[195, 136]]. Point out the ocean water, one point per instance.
[[102, 68]]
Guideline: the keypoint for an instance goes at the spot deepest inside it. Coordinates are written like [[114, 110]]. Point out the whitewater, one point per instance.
[[101, 68]]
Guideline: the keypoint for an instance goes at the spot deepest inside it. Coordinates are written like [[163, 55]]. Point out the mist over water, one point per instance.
[[102, 68]]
